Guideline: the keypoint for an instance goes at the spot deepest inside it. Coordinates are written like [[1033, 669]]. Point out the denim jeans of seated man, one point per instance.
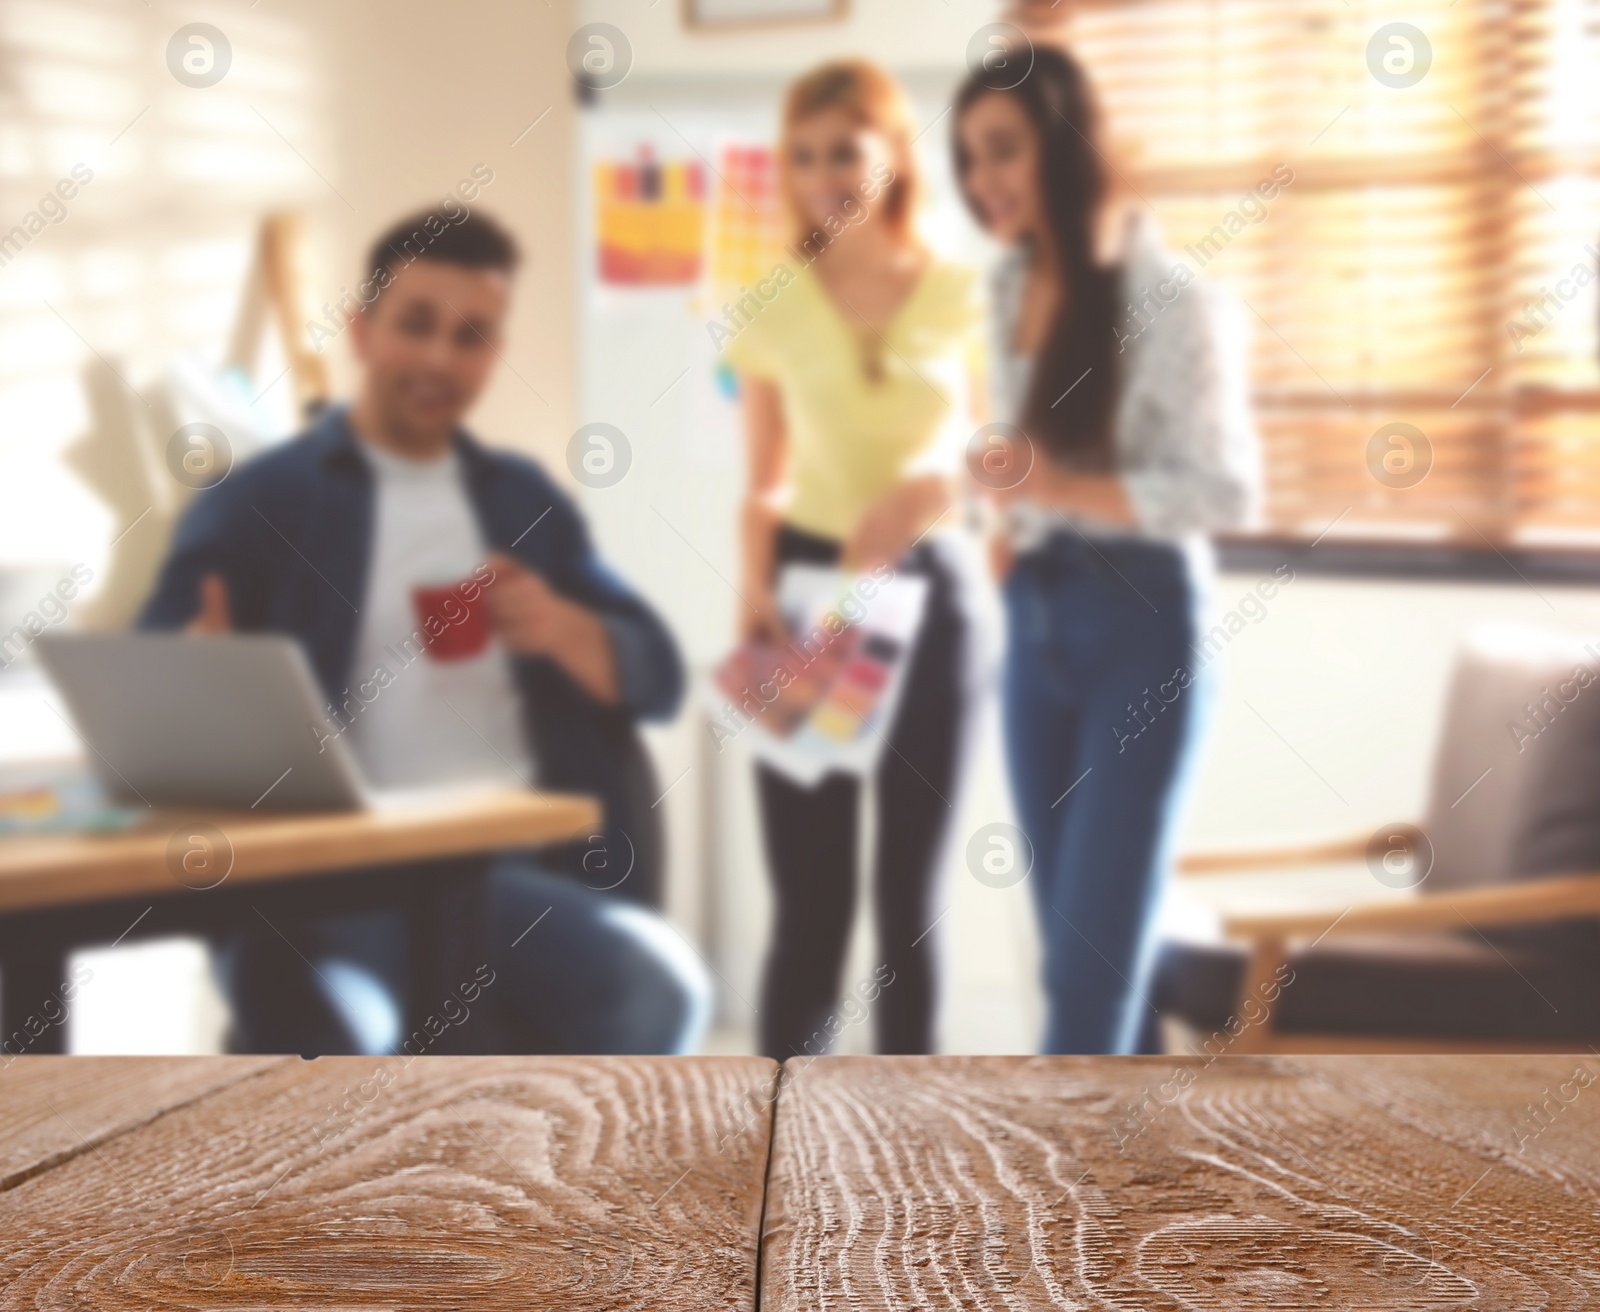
[[565, 970]]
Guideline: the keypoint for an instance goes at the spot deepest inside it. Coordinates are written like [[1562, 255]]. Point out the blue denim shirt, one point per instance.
[[290, 532]]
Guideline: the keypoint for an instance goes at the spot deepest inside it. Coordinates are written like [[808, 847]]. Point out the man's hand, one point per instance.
[[214, 615], [532, 619]]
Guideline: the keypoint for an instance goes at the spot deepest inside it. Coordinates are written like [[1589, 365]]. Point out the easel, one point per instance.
[[123, 455], [275, 291]]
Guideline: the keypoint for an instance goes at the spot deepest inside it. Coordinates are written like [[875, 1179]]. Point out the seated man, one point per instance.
[[462, 629]]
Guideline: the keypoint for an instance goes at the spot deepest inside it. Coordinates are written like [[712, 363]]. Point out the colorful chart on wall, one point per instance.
[[747, 227], [650, 218]]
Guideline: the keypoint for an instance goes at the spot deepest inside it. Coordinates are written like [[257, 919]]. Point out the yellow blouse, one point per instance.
[[851, 436]]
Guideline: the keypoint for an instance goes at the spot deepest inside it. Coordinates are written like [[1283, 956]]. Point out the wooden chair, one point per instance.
[[1499, 950]]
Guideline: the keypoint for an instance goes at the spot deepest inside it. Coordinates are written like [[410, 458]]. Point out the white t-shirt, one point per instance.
[[428, 721]]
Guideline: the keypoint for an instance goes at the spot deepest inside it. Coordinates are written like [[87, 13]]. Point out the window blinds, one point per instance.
[[1422, 295]]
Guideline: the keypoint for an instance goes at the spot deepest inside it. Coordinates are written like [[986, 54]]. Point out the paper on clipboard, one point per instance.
[[824, 701]]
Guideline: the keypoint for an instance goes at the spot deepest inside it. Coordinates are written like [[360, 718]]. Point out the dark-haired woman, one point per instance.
[[1131, 440]]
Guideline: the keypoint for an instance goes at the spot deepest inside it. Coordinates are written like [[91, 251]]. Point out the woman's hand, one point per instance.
[[896, 520], [759, 616]]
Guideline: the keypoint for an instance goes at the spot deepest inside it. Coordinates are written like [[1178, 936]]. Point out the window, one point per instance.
[[144, 265], [1431, 264]]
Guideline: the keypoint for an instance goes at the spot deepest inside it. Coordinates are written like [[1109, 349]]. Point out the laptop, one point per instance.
[[232, 721]]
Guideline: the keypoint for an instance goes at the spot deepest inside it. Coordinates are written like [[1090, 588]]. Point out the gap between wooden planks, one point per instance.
[[1006, 1183]]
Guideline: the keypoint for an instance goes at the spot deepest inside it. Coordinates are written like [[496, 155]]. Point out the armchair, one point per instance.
[[1499, 950]]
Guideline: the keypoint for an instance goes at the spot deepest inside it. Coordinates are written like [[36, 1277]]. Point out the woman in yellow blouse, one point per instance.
[[853, 361]]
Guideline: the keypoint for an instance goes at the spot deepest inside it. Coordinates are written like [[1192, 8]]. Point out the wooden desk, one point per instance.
[[202, 872], [997, 1183], [57, 869]]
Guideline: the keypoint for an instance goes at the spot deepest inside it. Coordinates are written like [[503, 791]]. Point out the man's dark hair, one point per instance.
[[464, 237]]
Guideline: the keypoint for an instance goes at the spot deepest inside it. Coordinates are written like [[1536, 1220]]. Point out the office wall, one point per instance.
[[457, 86]]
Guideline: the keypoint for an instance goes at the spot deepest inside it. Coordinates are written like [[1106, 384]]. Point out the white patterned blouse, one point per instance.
[[1185, 442]]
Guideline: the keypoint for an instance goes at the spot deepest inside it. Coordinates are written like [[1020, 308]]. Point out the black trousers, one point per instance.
[[810, 836]]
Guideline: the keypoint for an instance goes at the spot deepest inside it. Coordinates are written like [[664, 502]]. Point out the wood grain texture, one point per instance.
[[509, 1182], [54, 1108], [57, 869], [1406, 1184]]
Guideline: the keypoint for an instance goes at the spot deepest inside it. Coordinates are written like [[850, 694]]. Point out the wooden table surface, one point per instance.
[[999, 1183], [497, 1182], [57, 869]]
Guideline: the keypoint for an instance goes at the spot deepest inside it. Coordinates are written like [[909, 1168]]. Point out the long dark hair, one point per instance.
[[1071, 399]]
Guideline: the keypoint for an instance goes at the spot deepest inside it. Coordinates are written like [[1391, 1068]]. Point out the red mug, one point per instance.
[[453, 619]]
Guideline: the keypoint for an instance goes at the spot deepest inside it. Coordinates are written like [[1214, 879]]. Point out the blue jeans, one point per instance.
[[566, 969], [1103, 703]]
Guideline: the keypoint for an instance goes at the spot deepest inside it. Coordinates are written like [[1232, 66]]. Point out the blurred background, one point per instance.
[[1431, 264]]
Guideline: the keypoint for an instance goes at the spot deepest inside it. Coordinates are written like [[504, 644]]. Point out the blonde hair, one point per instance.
[[872, 99]]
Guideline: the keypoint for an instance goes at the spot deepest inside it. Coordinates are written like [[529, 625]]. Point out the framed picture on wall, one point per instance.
[[712, 15]]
